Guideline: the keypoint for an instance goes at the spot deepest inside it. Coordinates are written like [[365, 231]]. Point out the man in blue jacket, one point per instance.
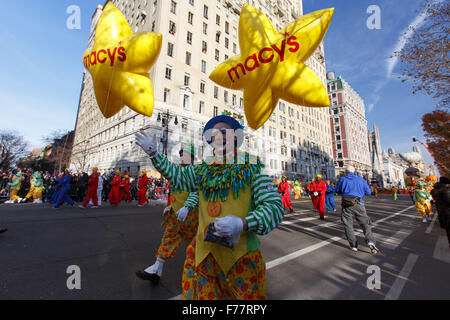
[[353, 188]]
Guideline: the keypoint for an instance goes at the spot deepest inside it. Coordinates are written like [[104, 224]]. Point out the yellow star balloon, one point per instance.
[[271, 64], [119, 63]]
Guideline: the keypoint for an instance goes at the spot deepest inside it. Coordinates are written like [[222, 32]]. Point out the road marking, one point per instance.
[[393, 242], [294, 255], [298, 220], [441, 250], [430, 227], [323, 243], [397, 287]]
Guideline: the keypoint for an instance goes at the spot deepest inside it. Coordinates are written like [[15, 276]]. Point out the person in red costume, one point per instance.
[[114, 194], [318, 190], [311, 194], [283, 189], [142, 189], [92, 190], [125, 189]]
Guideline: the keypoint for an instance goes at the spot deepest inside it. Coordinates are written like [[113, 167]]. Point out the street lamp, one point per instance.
[[165, 119]]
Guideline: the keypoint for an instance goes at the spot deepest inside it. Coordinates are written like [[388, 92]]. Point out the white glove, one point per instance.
[[316, 194], [228, 226], [166, 210], [147, 143], [182, 214]]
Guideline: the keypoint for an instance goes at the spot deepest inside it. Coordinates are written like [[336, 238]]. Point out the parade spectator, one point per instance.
[[441, 194], [353, 189]]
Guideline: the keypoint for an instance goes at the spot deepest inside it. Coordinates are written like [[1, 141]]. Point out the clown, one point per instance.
[[181, 223], [318, 189], [92, 192], [63, 186], [422, 199], [15, 187], [125, 189], [36, 189], [142, 189], [283, 189], [114, 194], [236, 202]]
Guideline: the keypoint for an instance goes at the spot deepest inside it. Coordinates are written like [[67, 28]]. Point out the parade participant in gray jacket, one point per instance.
[[353, 188]]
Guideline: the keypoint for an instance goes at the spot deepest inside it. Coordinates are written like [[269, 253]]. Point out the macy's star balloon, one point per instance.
[[119, 63], [271, 67]]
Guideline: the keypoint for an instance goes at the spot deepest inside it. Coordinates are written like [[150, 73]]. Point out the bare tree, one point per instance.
[[80, 156], [425, 55], [12, 148], [54, 135]]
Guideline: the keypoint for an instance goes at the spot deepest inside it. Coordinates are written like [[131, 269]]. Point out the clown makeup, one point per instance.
[[223, 138]]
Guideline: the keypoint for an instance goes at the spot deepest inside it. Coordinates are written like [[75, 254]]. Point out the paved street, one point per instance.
[[306, 258]]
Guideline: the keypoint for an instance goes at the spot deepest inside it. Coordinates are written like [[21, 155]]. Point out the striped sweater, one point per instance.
[[268, 210]]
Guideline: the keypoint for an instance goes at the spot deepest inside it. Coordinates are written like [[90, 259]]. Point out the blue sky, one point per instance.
[[40, 59]]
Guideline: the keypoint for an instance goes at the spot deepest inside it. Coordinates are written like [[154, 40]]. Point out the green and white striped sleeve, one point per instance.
[[192, 200], [180, 178], [269, 211]]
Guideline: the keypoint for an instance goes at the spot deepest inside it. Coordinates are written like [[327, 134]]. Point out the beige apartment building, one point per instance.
[[198, 35], [348, 128]]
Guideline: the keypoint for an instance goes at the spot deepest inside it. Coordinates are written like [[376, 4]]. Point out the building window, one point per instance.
[[216, 92], [201, 107], [190, 18], [173, 7], [226, 57], [205, 12], [205, 28], [216, 111], [202, 87], [234, 100], [203, 66], [234, 48], [170, 49], [204, 47], [227, 27], [218, 20], [191, 2], [218, 37], [185, 101], [189, 37], [225, 96], [166, 95], [168, 73], [172, 27], [187, 79], [226, 43], [216, 56], [188, 58]]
